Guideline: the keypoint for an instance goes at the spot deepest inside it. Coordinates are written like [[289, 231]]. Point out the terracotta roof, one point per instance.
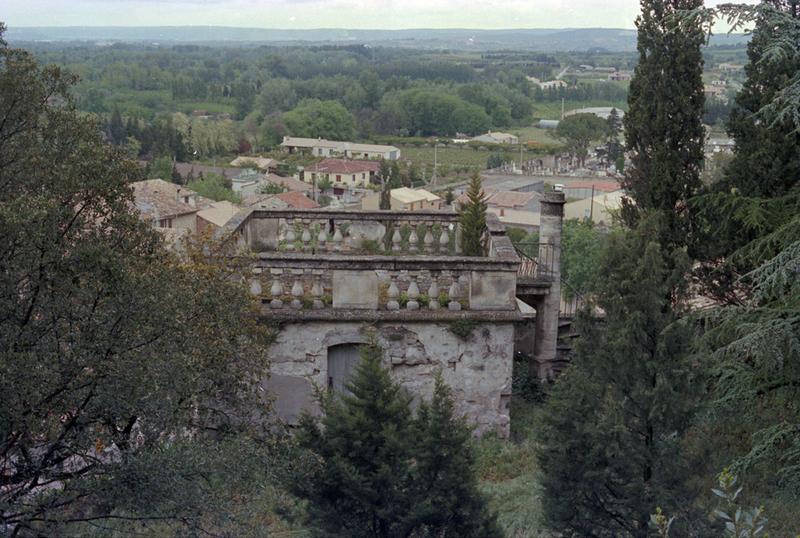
[[299, 142], [510, 199], [297, 200], [599, 186], [343, 166], [290, 183], [159, 199]]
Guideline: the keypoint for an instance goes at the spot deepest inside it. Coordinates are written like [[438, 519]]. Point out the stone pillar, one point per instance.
[[547, 309]]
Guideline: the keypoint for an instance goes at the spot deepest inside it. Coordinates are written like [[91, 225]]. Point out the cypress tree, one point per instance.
[[473, 219], [361, 487], [449, 502], [610, 427], [663, 130], [767, 159], [117, 128]]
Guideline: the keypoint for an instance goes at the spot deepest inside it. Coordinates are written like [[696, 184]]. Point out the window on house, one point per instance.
[[165, 223], [338, 178]]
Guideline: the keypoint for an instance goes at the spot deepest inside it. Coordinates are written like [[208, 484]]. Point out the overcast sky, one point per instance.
[[325, 13]]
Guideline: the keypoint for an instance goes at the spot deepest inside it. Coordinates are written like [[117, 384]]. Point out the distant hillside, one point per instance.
[[545, 40]]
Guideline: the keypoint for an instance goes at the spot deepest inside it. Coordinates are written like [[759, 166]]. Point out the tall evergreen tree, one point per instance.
[[663, 129], [116, 128], [610, 426], [378, 472], [449, 502], [473, 219], [361, 487], [767, 159]]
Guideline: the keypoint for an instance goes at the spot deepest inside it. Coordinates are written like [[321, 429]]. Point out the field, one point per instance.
[[452, 159], [534, 134]]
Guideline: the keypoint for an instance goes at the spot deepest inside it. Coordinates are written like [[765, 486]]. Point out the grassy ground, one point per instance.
[[508, 473], [534, 134]]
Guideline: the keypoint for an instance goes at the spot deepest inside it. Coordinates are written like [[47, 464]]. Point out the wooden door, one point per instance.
[[342, 361]]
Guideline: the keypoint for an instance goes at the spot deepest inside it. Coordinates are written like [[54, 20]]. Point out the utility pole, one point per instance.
[[591, 206], [435, 161], [562, 108]]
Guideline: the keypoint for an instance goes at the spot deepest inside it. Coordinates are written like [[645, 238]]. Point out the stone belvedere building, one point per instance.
[[332, 280]]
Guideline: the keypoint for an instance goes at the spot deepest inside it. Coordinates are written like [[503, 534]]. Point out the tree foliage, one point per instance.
[[124, 370], [472, 219], [313, 118], [663, 130], [578, 131], [378, 471], [610, 427]]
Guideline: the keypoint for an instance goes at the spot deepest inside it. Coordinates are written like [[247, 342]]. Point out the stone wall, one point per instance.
[[477, 368]]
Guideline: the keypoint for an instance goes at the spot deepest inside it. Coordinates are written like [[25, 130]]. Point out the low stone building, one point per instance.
[[334, 280]]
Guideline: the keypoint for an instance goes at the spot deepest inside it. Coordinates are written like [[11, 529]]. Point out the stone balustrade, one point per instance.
[[374, 265], [349, 231]]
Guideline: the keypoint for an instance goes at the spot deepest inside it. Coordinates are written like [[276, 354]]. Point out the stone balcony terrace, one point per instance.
[[346, 265]]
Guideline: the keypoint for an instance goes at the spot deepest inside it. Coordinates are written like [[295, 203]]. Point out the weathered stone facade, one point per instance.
[[477, 368], [333, 279]]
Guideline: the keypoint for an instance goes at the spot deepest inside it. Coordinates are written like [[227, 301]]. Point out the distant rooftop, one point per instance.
[[344, 166], [159, 199], [298, 142]]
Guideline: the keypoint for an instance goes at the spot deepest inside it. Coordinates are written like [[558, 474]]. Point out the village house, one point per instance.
[[216, 216], [168, 205], [517, 209], [497, 138], [552, 84], [586, 189], [341, 173], [284, 200], [620, 76], [405, 199], [599, 209], [319, 147], [260, 163]]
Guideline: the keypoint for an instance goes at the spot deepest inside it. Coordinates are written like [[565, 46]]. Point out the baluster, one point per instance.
[[316, 292], [297, 293], [433, 295], [392, 293], [277, 292], [396, 240], [413, 295], [337, 239], [413, 239], [306, 237], [453, 293], [322, 238], [444, 240], [428, 239], [458, 238], [291, 237]]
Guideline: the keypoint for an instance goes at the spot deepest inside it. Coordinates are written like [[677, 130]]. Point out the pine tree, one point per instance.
[[610, 426], [767, 160], [472, 219], [663, 129], [380, 473], [362, 485], [449, 502]]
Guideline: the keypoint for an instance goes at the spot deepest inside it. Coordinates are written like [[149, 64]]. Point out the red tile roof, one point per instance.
[[343, 166], [297, 200], [599, 186]]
